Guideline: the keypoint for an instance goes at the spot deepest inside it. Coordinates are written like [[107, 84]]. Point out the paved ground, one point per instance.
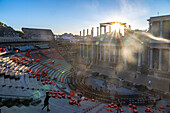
[[141, 109], [56, 106], [97, 83], [158, 83]]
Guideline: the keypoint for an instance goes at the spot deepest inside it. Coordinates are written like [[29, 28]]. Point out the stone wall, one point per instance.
[[166, 29], [40, 34], [156, 28]]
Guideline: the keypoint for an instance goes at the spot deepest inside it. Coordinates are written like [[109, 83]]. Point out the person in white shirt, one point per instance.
[[149, 82]]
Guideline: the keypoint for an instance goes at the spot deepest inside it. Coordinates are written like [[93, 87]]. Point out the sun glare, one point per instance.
[[118, 28]]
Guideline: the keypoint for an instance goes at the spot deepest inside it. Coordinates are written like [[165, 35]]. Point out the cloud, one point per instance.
[[131, 12], [94, 4], [133, 9]]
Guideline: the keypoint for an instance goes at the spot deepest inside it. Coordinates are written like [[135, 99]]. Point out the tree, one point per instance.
[[1, 23], [5, 25]]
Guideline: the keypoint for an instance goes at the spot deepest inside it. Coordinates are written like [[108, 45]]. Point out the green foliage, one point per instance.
[[5, 25], [21, 33], [1, 24]]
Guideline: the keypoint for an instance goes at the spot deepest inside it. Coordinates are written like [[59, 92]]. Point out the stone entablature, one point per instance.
[[159, 26], [159, 18]]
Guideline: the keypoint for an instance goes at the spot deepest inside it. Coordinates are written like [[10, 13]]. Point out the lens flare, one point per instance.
[[156, 38], [36, 94], [116, 27]]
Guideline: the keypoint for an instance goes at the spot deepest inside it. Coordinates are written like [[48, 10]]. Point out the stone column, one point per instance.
[[97, 51], [169, 62], [92, 30], [104, 52], [151, 52], [148, 56], [104, 29], [100, 31], [100, 53], [109, 53], [143, 57], [83, 33], [83, 50], [125, 60], [87, 50], [139, 57], [92, 51], [80, 50], [87, 32], [119, 54], [97, 32], [160, 59], [80, 34], [151, 27], [109, 29], [161, 28], [114, 52]]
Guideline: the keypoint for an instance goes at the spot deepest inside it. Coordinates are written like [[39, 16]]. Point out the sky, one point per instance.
[[71, 16]]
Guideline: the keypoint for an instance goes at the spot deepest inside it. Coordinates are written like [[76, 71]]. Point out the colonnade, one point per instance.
[[160, 27], [159, 58], [92, 31], [104, 53], [112, 53]]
